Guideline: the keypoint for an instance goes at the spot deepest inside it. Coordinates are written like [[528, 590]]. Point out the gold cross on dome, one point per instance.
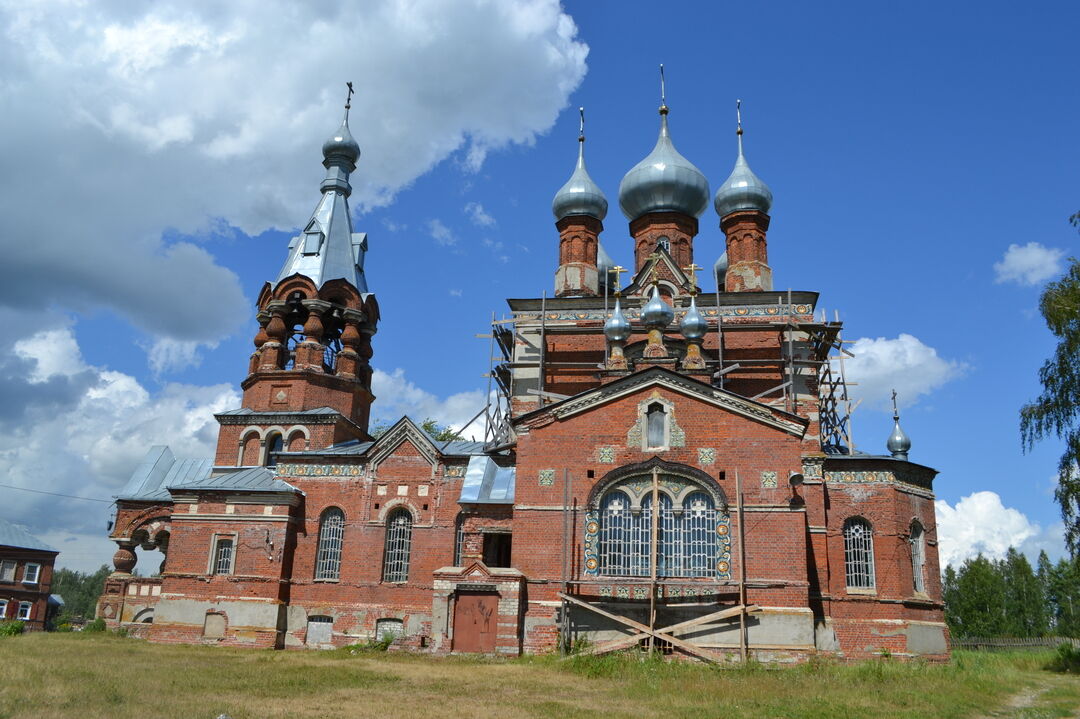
[[655, 257], [618, 270], [691, 273]]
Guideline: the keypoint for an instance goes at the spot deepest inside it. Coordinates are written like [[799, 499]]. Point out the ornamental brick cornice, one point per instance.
[[282, 418]]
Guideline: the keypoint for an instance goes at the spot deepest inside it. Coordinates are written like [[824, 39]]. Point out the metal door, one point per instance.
[[476, 617]]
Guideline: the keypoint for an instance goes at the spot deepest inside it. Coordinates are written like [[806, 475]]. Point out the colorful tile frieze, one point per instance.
[[740, 311], [812, 468], [592, 531], [320, 470], [457, 470], [859, 477]]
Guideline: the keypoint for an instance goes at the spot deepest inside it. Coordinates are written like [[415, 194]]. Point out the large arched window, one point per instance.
[[398, 545], [656, 426], [331, 534], [691, 532], [858, 553], [918, 557]]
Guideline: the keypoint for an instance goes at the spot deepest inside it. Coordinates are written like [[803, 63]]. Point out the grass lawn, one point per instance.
[[101, 675]]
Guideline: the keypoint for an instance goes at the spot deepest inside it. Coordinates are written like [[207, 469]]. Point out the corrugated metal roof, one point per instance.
[[487, 483], [160, 471], [246, 410], [15, 535]]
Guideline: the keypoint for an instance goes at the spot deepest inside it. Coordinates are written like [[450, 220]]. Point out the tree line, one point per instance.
[[1008, 598]]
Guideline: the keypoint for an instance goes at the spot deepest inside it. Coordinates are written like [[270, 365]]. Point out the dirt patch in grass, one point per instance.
[[64, 675]]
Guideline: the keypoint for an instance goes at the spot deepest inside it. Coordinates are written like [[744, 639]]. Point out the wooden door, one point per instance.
[[476, 618]]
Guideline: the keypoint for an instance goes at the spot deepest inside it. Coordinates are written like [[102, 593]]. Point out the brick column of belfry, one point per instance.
[[579, 208], [662, 196], [743, 203]]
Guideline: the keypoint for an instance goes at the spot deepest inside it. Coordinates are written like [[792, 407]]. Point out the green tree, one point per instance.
[[1065, 597], [1025, 603], [1056, 412], [79, 590], [438, 432], [978, 600], [1043, 573]]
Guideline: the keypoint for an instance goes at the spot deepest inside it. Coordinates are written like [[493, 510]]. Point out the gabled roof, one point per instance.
[[642, 279], [662, 377], [15, 535], [404, 428]]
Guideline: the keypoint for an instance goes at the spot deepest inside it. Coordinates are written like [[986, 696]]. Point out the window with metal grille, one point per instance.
[[459, 540], [223, 556], [331, 533], [859, 553], [686, 536], [918, 557], [398, 544]]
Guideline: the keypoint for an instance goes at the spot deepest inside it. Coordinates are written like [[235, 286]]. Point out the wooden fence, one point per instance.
[[1012, 642]]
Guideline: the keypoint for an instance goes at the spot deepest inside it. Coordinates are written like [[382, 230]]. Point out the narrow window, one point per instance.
[[3, 608], [398, 545], [497, 549], [7, 571], [24, 611], [276, 444], [663, 243], [459, 540], [31, 574], [223, 556], [858, 554], [918, 557], [656, 424], [331, 534]]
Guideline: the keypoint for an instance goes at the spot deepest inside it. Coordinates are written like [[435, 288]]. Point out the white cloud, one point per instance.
[[398, 396], [167, 355], [441, 233], [1030, 264], [905, 364], [77, 429], [980, 523], [455, 292], [479, 215], [193, 116]]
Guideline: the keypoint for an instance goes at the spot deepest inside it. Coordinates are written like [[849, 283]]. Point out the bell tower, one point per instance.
[[309, 379]]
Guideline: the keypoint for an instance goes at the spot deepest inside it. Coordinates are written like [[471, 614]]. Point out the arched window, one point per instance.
[[918, 557], [331, 533], [398, 544], [687, 532], [459, 540], [656, 425], [859, 553], [274, 444], [663, 243]]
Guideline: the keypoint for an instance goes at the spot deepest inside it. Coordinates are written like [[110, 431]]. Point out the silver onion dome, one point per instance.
[[742, 190], [899, 443], [617, 327], [693, 326], [580, 195], [341, 147], [664, 181], [657, 314], [719, 270]]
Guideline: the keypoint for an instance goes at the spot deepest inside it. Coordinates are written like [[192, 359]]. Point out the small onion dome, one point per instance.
[[719, 269], [898, 443], [664, 181], [617, 328], [743, 190], [341, 146], [657, 314], [580, 195], [693, 326]]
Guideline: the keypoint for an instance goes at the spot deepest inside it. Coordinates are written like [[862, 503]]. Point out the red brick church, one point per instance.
[[661, 466]]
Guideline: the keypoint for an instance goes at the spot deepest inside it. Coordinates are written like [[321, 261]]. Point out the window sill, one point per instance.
[[33, 583], [863, 591], [327, 581]]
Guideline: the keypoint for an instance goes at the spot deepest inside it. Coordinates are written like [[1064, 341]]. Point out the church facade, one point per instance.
[[661, 467]]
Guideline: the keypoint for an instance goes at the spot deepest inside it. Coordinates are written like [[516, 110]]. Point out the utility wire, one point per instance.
[[57, 494]]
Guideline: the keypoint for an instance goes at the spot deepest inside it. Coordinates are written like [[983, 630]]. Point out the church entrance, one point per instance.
[[476, 619]]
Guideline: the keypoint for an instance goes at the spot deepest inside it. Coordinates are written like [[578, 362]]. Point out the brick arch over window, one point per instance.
[[298, 439], [619, 474]]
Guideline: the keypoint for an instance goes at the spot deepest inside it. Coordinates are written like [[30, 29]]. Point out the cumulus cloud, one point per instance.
[[441, 233], [81, 430], [1030, 264], [124, 121], [981, 523], [905, 364], [478, 215], [398, 396]]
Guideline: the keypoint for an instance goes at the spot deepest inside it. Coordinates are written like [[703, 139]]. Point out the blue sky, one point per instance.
[[159, 159]]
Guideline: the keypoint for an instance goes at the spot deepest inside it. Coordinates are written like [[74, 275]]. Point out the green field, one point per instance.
[[102, 675]]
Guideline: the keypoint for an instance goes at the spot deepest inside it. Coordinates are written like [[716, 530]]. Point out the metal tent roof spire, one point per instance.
[[899, 444], [580, 195], [664, 181], [327, 248], [742, 190]]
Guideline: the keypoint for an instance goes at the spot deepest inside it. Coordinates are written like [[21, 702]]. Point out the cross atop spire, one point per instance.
[[663, 92], [581, 134], [895, 412], [348, 102], [618, 270], [738, 124]]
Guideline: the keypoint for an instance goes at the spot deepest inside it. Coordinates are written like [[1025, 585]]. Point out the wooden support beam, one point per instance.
[[629, 640]]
